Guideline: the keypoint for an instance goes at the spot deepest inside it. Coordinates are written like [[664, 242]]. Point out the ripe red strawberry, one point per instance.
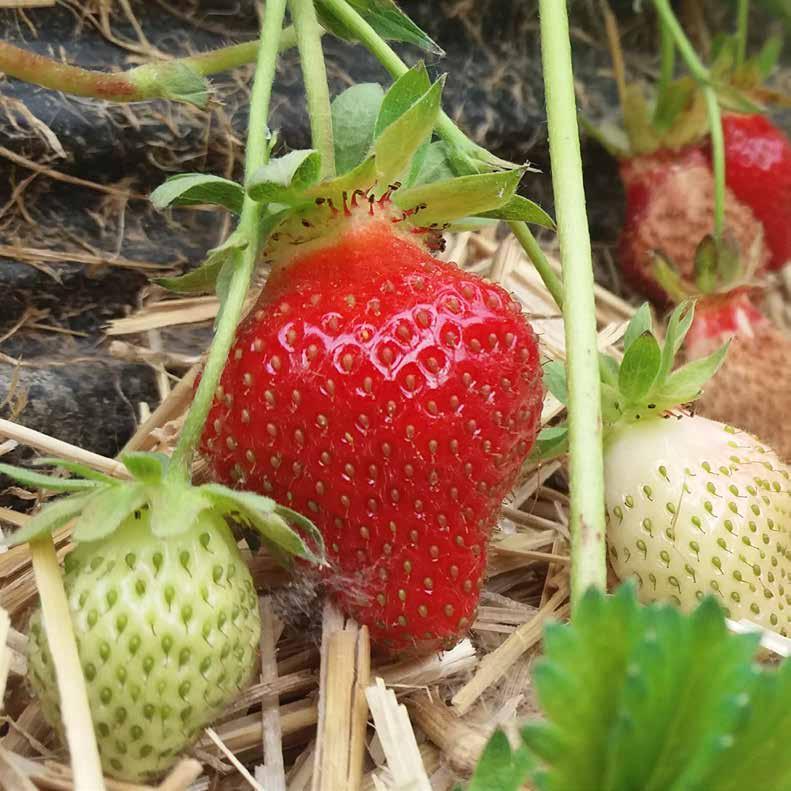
[[392, 398], [669, 209], [758, 173]]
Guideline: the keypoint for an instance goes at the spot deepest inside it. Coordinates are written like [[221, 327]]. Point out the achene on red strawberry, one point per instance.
[[392, 398]]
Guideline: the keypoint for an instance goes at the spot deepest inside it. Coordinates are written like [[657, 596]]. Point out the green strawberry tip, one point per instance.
[[101, 505], [644, 384]]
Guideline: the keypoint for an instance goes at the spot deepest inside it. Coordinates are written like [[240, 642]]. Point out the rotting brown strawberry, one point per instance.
[[669, 209], [393, 398]]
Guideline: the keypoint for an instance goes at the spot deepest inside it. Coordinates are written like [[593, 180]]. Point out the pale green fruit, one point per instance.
[[694, 508], [168, 633]]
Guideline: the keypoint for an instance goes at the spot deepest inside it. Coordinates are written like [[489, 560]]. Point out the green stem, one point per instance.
[[257, 153], [743, 20], [530, 245], [701, 74], [586, 468], [314, 73], [159, 80], [667, 50], [476, 155]]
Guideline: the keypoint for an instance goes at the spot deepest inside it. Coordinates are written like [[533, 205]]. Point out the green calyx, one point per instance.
[[101, 504], [384, 145], [673, 114], [719, 268], [641, 386]]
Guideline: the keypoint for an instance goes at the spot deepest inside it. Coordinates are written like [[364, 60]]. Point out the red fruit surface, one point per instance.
[[670, 209], [758, 168], [720, 317], [392, 398]]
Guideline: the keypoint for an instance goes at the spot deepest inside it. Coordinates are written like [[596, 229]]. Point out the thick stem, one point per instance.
[[150, 81], [314, 74], [742, 25], [257, 153], [699, 71], [586, 466], [447, 129]]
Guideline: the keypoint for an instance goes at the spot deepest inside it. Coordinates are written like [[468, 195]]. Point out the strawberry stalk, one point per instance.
[[585, 419], [699, 71], [257, 154], [742, 23], [476, 156], [179, 79], [314, 73]]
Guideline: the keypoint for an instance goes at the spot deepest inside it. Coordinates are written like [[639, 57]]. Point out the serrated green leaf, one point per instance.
[[500, 768], [203, 278], [188, 189], [672, 103], [402, 94], [639, 368], [687, 383], [75, 468], [354, 114], [284, 179], [445, 201], [554, 377], [175, 507], [37, 480], [677, 328], [397, 144], [261, 514], [641, 322], [306, 528], [51, 517], [520, 209], [670, 279], [146, 467], [104, 512], [385, 17]]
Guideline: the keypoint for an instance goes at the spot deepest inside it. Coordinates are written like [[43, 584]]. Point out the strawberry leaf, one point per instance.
[[354, 114], [363, 176], [187, 189], [203, 278], [284, 179], [50, 518], [609, 368], [103, 513], [769, 56], [385, 17], [500, 768], [397, 144], [639, 368], [641, 322], [37, 480], [550, 443], [445, 201], [648, 698], [434, 165], [521, 209], [677, 329], [403, 93]]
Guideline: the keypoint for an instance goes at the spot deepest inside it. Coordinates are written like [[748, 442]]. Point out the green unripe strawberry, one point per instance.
[[163, 607], [695, 508], [168, 636]]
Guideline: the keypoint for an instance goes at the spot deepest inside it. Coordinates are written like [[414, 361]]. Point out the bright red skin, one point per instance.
[[403, 477], [758, 167], [720, 317]]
